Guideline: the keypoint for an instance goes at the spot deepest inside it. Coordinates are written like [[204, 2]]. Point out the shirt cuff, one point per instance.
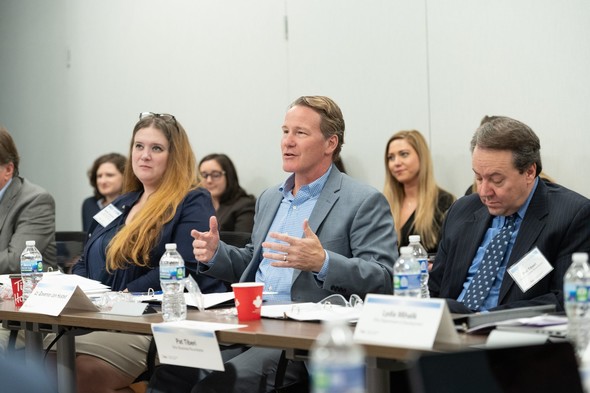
[[321, 275], [211, 261]]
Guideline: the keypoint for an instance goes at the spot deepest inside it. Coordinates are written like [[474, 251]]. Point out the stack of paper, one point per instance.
[[209, 299], [311, 312], [88, 286]]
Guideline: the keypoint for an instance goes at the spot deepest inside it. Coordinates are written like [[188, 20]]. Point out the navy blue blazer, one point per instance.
[[557, 221], [192, 213], [89, 209]]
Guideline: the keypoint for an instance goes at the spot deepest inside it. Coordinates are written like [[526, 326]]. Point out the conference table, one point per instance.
[[293, 336]]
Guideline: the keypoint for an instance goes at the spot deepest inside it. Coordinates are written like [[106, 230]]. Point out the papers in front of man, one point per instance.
[[311, 312], [552, 325], [485, 321], [208, 299]]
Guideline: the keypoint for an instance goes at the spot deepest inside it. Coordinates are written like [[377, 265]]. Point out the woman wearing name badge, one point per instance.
[[106, 178], [418, 204], [161, 204], [234, 208]]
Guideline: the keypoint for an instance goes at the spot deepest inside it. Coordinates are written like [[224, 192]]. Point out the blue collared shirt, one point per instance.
[[3, 190], [497, 223], [289, 219]]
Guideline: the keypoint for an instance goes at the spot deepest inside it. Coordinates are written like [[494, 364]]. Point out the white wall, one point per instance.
[[75, 74]]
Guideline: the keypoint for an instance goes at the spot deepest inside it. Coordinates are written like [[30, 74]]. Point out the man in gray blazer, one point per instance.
[[319, 233], [27, 212], [506, 161]]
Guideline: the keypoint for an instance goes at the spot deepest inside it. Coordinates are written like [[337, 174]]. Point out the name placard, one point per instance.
[[180, 344], [52, 299], [405, 322]]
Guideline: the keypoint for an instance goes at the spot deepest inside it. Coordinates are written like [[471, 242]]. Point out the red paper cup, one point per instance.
[[248, 298], [17, 289]]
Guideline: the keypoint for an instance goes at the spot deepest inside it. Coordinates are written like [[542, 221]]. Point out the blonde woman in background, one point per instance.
[[418, 204]]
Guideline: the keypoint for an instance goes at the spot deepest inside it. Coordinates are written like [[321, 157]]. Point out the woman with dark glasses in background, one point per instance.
[[234, 208]]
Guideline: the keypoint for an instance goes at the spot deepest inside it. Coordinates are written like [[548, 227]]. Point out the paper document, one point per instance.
[[210, 299], [552, 325], [310, 312], [87, 285]]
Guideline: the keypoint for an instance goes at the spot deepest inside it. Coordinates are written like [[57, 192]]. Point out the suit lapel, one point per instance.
[[326, 200], [530, 228]]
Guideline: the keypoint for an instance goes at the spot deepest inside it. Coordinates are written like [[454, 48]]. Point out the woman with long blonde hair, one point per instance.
[[162, 202], [418, 204]]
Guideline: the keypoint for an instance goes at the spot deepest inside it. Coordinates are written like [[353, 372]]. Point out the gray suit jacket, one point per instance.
[[27, 212], [354, 224], [557, 221]]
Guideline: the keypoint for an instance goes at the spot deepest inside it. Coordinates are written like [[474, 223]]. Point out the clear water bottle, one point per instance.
[[337, 362], [172, 282], [31, 268], [422, 257], [406, 274], [576, 287]]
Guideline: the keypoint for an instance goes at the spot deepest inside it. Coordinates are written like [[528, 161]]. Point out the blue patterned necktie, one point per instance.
[[488, 269]]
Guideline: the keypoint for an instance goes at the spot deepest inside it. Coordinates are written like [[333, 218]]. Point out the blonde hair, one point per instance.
[[427, 209], [133, 243]]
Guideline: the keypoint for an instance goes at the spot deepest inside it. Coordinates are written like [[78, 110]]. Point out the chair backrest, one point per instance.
[[544, 368], [70, 245], [238, 239]]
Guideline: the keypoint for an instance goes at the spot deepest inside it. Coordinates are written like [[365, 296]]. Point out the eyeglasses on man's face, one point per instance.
[[215, 175], [163, 116]]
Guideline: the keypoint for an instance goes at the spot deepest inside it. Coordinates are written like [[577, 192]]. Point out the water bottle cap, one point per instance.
[[170, 246], [30, 243], [580, 257], [414, 238], [405, 250]]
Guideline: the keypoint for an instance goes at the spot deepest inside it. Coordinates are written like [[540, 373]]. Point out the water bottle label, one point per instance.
[[406, 281], [423, 265], [172, 273], [577, 293], [31, 266], [338, 379]]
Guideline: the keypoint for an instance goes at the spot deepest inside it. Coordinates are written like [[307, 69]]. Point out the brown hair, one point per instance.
[[332, 121], [8, 152], [118, 160], [504, 133]]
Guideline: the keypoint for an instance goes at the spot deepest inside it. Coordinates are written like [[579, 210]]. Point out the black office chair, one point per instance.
[[70, 245], [547, 368]]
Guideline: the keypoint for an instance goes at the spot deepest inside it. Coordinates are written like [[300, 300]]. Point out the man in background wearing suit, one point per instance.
[[532, 215], [317, 234], [27, 212]]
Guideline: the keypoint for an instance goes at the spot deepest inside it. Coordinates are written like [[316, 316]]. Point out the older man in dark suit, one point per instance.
[[472, 265]]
